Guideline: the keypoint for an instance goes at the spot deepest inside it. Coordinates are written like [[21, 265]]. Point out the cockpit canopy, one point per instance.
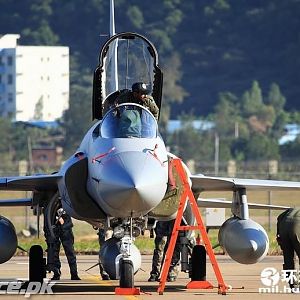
[[126, 58], [128, 121]]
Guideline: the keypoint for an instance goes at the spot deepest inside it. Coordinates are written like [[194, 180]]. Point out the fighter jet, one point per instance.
[[120, 175]]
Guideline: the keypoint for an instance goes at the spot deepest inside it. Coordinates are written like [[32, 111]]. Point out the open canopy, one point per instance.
[[124, 59]]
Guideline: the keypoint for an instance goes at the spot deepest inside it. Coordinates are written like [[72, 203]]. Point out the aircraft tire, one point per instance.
[[126, 274], [37, 265], [198, 263]]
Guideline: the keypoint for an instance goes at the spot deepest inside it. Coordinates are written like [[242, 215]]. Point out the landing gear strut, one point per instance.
[[127, 263]]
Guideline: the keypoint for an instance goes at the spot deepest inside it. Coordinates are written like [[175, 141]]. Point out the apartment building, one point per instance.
[[34, 80]]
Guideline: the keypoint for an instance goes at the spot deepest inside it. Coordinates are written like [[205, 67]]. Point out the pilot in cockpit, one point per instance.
[[139, 95]]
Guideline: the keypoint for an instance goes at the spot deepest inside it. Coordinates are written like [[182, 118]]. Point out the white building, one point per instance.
[[34, 80]]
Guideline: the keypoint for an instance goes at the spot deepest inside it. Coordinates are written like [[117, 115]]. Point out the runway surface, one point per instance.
[[244, 279]]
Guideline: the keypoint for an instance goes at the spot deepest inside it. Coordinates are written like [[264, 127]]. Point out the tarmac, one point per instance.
[[244, 281]]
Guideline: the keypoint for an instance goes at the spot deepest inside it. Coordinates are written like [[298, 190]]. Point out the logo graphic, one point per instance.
[[33, 287], [269, 276]]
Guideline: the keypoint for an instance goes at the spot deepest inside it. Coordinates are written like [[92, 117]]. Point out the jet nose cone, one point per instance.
[[132, 183]]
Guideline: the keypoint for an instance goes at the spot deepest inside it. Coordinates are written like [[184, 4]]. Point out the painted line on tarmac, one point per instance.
[[97, 279]]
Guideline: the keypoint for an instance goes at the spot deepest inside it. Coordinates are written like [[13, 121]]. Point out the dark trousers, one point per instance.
[[163, 233], [289, 243], [66, 238]]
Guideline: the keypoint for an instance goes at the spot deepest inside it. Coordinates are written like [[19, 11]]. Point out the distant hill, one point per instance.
[[223, 44], [226, 45]]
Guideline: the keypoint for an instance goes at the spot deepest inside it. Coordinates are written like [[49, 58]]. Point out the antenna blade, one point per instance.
[[114, 50]]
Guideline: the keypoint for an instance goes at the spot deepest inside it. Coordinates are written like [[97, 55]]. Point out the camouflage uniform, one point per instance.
[[163, 231], [63, 235], [148, 101], [288, 236]]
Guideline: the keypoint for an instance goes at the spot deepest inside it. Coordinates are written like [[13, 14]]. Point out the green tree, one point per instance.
[[77, 118], [229, 125], [190, 143], [261, 147], [260, 117], [5, 133], [38, 110], [291, 150], [275, 97], [135, 15], [226, 114], [172, 91], [252, 100], [251, 129], [294, 117], [38, 30]]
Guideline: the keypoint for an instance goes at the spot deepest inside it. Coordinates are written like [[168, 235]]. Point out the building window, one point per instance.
[[9, 79], [9, 60], [0, 78], [10, 97]]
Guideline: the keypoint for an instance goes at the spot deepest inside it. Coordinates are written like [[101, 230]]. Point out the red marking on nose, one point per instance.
[[102, 155]]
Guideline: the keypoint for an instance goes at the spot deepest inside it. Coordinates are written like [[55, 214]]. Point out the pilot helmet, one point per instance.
[[140, 87]]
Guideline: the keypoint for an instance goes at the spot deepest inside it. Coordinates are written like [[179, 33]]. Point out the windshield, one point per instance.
[[127, 121]]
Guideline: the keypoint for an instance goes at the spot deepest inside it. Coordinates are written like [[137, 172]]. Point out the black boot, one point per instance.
[[153, 277], [75, 277], [103, 273], [73, 271], [105, 276], [56, 274], [171, 278]]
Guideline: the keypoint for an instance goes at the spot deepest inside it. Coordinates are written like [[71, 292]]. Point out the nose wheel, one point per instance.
[[126, 274]]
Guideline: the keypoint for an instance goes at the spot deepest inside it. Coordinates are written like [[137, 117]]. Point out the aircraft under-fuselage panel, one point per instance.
[[120, 177]]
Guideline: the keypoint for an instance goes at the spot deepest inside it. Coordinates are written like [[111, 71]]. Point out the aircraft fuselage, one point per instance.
[[127, 174]]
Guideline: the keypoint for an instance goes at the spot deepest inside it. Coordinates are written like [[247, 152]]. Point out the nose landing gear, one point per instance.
[[126, 263]]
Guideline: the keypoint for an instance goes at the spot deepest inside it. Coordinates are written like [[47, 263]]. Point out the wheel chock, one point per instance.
[[199, 285], [127, 291]]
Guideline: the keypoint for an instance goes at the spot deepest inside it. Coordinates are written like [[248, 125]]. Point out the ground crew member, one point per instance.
[[63, 234], [139, 95], [288, 237], [163, 232]]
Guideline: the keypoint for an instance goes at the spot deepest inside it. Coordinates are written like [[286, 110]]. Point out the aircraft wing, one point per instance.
[[219, 203], [34, 183], [202, 183]]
